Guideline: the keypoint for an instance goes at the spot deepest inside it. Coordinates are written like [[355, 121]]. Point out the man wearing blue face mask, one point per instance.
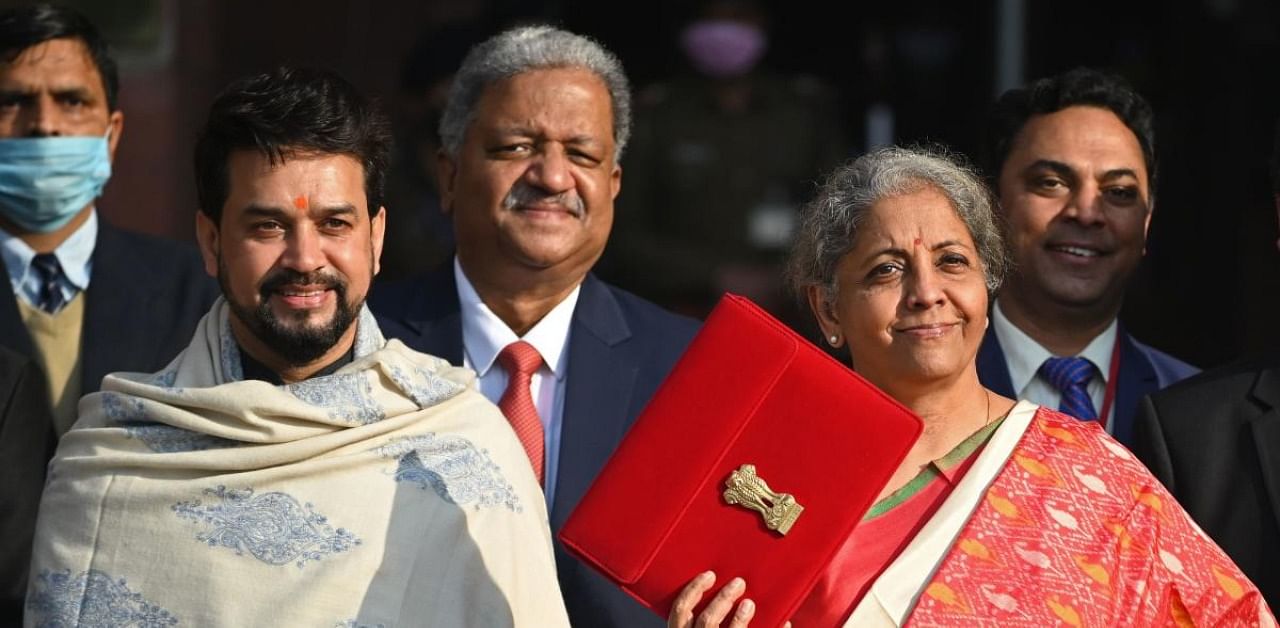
[[82, 298]]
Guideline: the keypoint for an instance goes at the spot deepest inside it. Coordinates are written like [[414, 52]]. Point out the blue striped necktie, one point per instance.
[[1071, 376], [49, 272]]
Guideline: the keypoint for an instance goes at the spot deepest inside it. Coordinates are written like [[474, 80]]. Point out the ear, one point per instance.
[[1146, 225], [447, 180], [823, 311], [207, 238], [377, 229], [615, 181], [115, 122]]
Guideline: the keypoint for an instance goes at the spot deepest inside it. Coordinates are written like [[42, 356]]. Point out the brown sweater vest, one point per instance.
[[57, 341]]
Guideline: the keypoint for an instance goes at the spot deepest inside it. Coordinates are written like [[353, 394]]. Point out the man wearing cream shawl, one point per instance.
[[291, 466]]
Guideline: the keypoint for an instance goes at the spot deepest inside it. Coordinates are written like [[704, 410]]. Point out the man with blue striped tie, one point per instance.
[[1072, 158]]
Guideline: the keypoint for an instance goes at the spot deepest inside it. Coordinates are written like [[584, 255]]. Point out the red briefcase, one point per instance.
[[756, 458]]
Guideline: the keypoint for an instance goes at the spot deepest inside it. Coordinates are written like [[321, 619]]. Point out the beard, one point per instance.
[[297, 343]]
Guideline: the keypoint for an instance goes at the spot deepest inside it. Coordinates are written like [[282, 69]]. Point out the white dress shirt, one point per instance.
[[484, 336], [75, 255], [1024, 355]]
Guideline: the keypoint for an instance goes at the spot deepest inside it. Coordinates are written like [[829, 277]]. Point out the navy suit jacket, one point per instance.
[[26, 441], [1143, 370], [142, 305], [1214, 440], [621, 347]]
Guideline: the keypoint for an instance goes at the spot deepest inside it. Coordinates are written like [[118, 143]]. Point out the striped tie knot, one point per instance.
[[1071, 376], [49, 272]]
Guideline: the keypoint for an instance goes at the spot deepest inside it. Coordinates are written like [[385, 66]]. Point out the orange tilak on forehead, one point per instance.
[[300, 202]]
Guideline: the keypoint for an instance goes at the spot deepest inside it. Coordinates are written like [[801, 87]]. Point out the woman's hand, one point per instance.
[[716, 610]]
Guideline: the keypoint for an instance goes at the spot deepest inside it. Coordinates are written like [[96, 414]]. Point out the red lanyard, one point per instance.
[[1110, 395]]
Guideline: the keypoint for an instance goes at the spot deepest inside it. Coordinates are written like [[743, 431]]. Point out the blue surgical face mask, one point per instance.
[[46, 181]]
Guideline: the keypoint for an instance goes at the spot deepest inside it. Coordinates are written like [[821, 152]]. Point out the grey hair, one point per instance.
[[829, 223], [524, 49]]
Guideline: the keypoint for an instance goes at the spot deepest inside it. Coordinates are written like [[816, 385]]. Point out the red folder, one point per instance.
[[747, 391]]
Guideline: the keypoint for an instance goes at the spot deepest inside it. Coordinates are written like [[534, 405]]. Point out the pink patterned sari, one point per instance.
[[1058, 525]]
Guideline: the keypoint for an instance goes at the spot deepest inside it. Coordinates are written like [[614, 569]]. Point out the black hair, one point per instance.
[[285, 113], [24, 27], [1081, 86]]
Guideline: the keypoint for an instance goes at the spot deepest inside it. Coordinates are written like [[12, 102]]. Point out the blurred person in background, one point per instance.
[[1214, 440], [720, 161], [82, 298], [422, 238]]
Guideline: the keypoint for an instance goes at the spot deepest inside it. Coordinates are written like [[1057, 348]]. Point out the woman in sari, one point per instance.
[[1004, 512]]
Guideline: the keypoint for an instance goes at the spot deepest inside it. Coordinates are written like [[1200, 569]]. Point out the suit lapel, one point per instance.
[[1266, 433], [1137, 378], [597, 394], [993, 371], [13, 333], [436, 316], [118, 310]]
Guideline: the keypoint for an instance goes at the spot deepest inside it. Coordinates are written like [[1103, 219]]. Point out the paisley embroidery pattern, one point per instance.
[[458, 471], [229, 351], [272, 527], [91, 599], [368, 336], [348, 397], [162, 379], [425, 388], [167, 439], [131, 414], [124, 409]]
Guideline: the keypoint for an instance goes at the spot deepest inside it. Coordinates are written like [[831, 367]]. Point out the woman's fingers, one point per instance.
[[682, 610], [742, 616], [721, 604], [720, 608]]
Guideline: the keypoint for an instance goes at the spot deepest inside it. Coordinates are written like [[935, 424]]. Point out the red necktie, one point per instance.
[[520, 360]]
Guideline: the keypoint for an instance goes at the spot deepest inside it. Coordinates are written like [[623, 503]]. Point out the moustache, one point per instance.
[[282, 277], [524, 195]]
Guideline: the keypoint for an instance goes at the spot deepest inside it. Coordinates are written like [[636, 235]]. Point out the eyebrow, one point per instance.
[[1064, 170], [83, 93], [260, 211], [524, 131], [899, 252]]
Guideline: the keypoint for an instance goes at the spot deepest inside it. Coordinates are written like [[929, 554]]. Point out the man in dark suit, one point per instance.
[[1214, 440], [24, 444], [535, 124], [1073, 162], [81, 297]]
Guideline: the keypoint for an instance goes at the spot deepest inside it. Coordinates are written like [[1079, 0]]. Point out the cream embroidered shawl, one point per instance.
[[390, 493]]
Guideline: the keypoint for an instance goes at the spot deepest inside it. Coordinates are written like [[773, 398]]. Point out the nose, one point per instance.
[[924, 289], [1085, 205], [303, 251], [42, 118], [550, 171]]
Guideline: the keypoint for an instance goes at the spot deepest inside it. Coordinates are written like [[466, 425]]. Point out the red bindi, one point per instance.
[[917, 241], [301, 203]]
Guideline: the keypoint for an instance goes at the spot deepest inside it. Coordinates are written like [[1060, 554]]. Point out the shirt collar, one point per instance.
[[1024, 355], [484, 335], [75, 254]]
